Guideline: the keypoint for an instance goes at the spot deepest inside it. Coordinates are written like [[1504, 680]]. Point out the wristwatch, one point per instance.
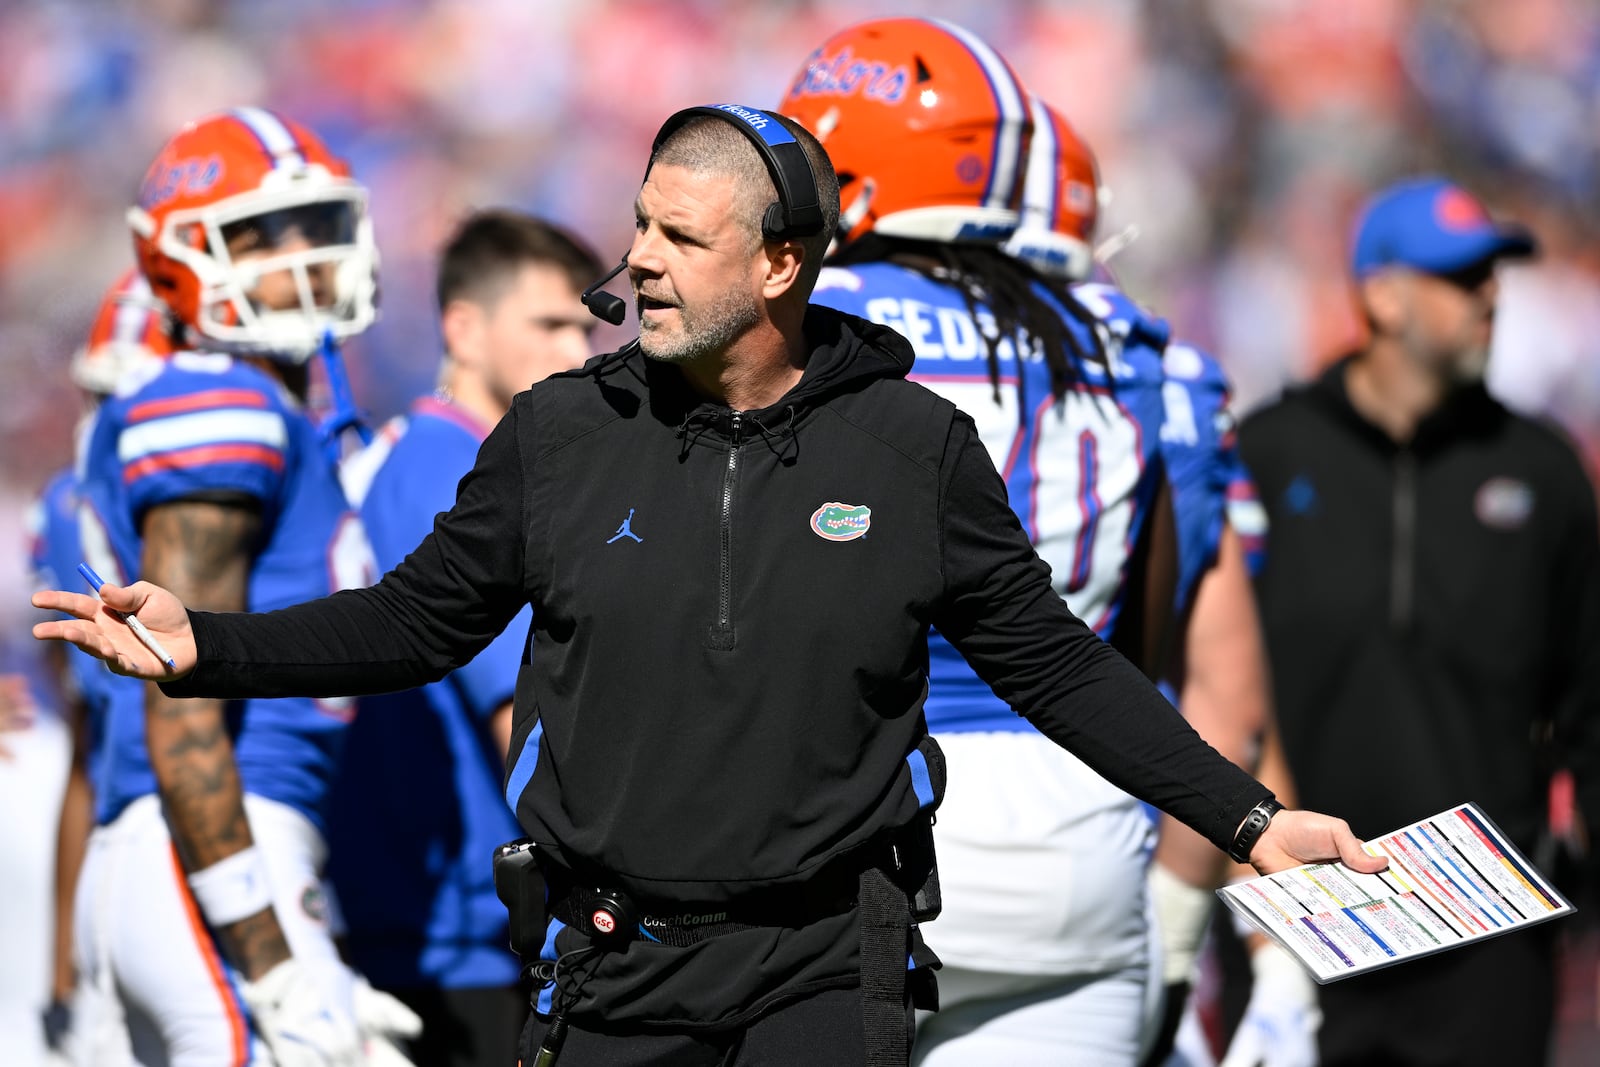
[[1250, 831]]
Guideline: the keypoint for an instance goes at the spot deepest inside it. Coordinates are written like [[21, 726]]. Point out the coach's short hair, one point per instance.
[[712, 146], [489, 248]]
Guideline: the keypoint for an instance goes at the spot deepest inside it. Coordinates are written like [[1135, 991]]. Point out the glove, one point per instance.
[[303, 1011], [1279, 1028], [384, 1023]]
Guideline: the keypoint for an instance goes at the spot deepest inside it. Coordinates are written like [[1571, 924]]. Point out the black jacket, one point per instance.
[[1429, 608], [729, 695]]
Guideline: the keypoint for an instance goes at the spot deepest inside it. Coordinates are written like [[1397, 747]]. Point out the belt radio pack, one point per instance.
[[607, 916], [520, 885]]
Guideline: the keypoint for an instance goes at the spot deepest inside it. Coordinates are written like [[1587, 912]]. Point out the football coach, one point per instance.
[[735, 533]]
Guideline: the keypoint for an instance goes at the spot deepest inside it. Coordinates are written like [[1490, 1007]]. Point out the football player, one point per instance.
[[1043, 933], [1219, 674], [201, 904]]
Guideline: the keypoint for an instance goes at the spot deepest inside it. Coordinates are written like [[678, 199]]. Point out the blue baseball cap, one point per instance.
[[1431, 225]]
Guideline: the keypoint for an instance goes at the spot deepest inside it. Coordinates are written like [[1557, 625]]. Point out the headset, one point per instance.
[[796, 213]]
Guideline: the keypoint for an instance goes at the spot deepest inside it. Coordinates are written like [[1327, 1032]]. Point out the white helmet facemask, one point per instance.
[[297, 223]]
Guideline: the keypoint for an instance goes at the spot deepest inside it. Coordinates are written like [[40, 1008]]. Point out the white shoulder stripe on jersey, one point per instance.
[[221, 426], [273, 134], [201, 362], [1013, 111]]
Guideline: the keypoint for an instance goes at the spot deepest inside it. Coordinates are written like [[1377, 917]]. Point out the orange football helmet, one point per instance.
[[1061, 199], [925, 124], [246, 195], [130, 328]]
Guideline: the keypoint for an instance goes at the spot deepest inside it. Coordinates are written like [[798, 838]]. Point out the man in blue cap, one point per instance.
[[1431, 602]]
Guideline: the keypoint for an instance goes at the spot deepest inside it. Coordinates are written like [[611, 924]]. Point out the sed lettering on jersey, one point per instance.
[[944, 332], [938, 332]]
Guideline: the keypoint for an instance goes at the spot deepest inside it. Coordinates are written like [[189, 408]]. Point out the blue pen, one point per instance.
[[145, 636]]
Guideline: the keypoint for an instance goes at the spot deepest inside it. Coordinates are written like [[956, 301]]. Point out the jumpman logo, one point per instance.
[[626, 530]]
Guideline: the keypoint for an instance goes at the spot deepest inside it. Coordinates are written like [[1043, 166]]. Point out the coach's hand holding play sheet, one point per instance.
[[1452, 879]]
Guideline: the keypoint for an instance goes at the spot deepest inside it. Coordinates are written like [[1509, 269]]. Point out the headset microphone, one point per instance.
[[613, 309]]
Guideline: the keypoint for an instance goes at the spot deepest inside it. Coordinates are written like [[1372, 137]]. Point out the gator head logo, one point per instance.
[[834, 521]]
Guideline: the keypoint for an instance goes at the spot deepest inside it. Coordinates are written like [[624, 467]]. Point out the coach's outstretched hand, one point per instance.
[[1296, 837], [100, 628]]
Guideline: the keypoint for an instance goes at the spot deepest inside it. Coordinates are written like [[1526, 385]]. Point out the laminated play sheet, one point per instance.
[[1452, 879]]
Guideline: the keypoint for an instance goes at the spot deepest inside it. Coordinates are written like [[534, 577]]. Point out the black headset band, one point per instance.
[[797, 212]]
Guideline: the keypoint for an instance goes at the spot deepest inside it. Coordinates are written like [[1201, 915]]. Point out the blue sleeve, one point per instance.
[[1123, 316], [187, 434]]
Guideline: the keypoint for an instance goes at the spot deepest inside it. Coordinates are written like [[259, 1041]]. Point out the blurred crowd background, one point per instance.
[[1238, 136]]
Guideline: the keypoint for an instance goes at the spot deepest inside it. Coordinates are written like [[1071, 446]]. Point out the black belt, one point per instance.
[[886, 913], [680, 926]]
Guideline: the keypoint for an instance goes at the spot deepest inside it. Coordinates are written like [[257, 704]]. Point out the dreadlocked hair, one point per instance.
[[1009, 289]]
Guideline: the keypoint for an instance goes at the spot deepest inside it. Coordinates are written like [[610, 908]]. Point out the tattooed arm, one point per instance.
[[202, 550]]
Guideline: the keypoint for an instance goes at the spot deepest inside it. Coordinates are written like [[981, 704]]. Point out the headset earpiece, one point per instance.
[[773, 223]]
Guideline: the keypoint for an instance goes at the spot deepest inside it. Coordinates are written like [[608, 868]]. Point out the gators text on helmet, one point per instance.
[[926, 126]]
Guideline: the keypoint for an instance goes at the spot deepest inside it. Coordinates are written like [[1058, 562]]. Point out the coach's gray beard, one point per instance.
[[701, 332]]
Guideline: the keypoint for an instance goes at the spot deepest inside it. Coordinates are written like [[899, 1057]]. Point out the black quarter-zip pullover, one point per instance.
[[1429, 607], [729, 653]]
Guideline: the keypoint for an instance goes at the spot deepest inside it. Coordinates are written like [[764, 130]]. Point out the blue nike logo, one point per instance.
[[626, 530]]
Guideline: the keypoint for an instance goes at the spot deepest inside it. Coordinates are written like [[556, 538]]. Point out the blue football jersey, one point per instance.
[[1081, 473], [1210, 485], [203, 424], [418, 809]]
